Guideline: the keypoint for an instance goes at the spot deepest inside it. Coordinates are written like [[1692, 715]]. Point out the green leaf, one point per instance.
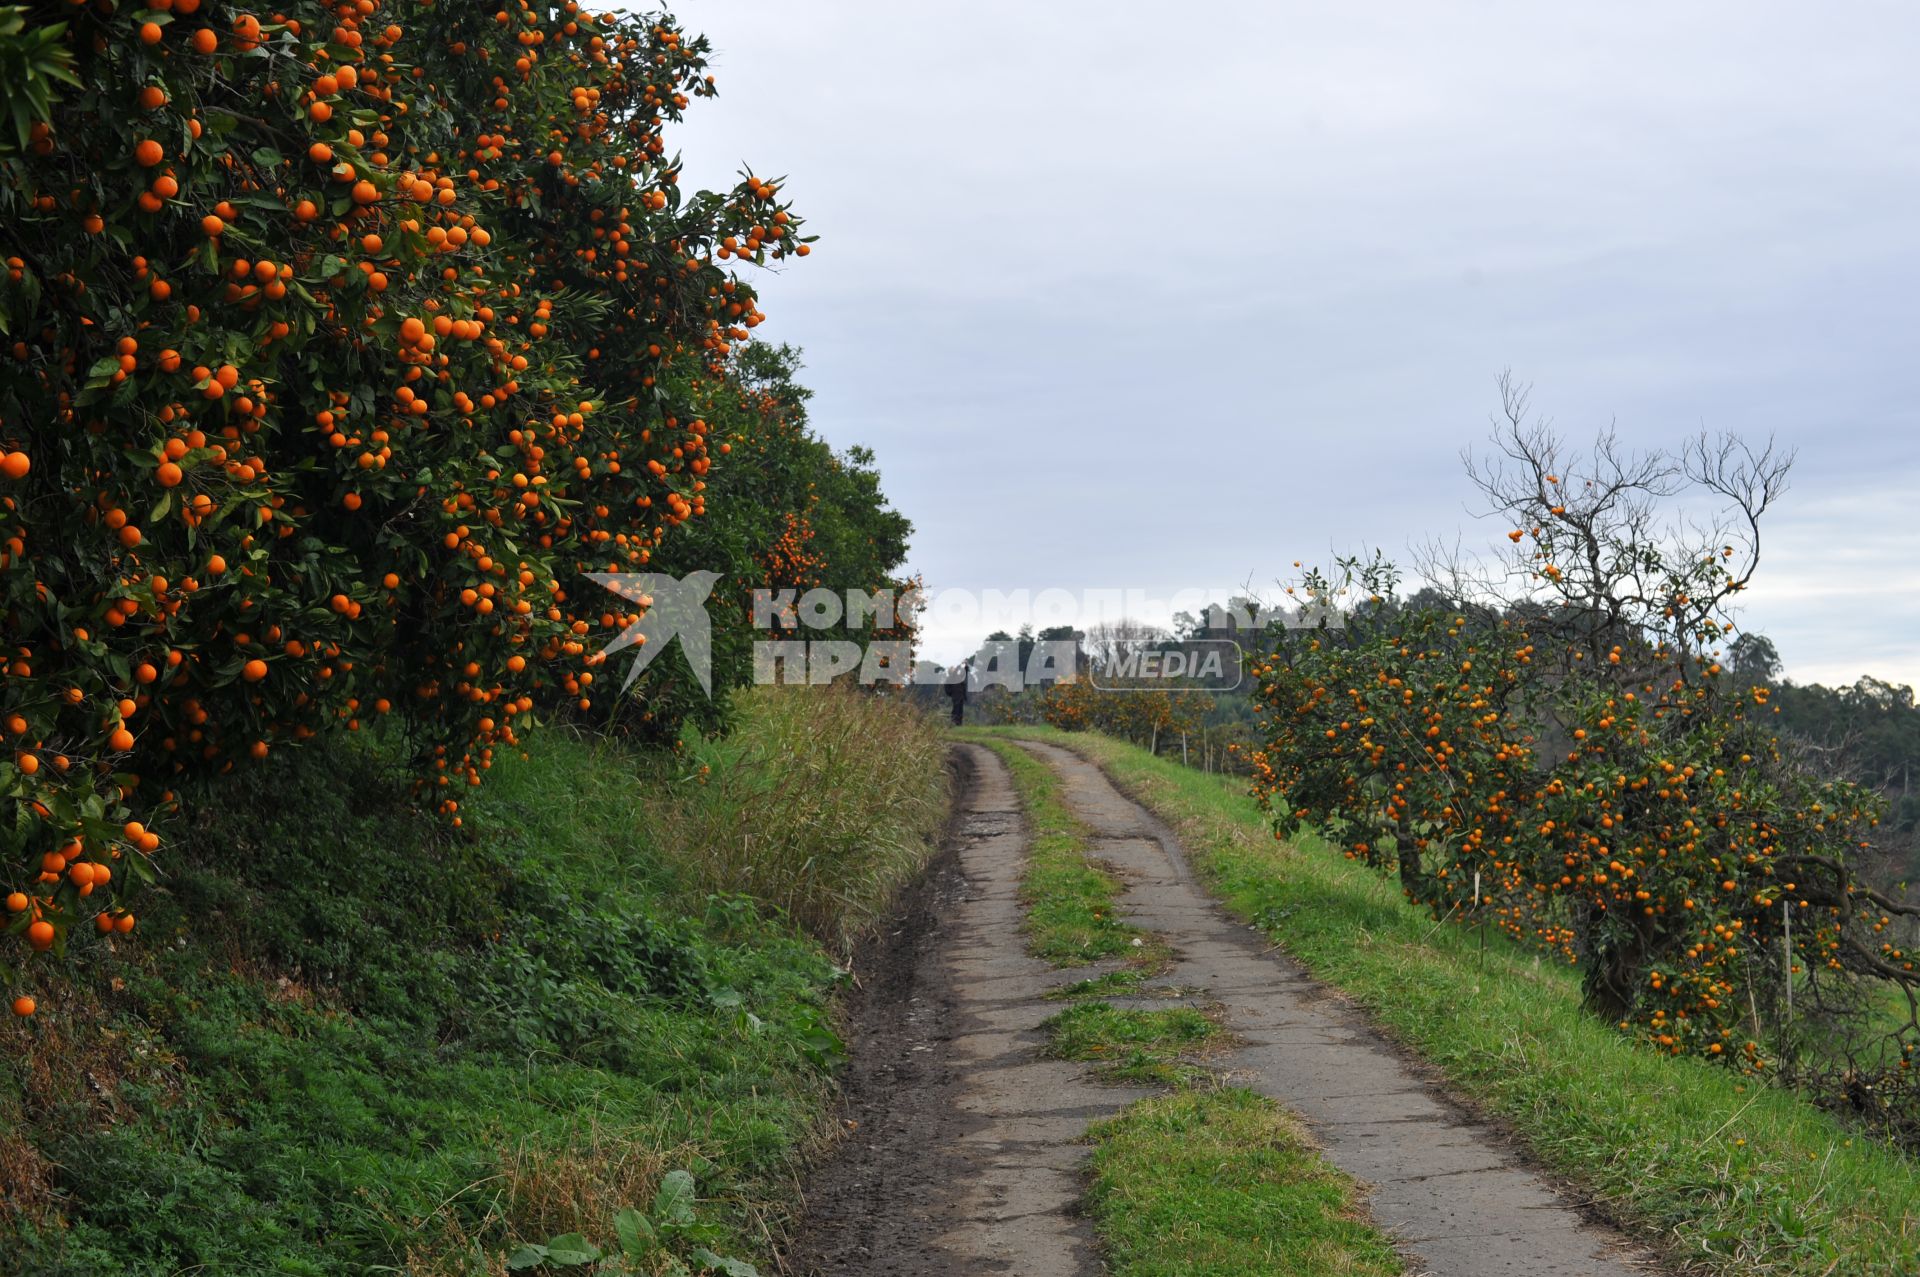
[[571, 1250], [634, 1232], [673, 1204], [267, 157], [720, 1263], [529, 1256]]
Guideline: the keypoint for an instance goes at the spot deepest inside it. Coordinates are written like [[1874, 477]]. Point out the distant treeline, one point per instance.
[[1868, 733]]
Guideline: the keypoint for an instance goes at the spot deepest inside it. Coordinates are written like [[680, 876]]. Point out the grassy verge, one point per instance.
[[1070, 898], [1223, 1183], [1158, 1048], [1730, 1176], [821, 807], [347, 1041]]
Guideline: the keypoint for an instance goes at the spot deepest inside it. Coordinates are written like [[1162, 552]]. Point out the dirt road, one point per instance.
[[964, 1157]]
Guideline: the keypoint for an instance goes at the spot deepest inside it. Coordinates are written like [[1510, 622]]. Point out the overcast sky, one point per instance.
[[1167, 297]]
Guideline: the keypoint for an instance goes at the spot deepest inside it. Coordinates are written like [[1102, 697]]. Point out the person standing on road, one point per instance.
[[957, 690]]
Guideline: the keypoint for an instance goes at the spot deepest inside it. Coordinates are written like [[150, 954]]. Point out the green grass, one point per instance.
[[1223, 1183], [1160, 1047], [347, 1041], [849, 788], [1728, 1175], [1070, 898]]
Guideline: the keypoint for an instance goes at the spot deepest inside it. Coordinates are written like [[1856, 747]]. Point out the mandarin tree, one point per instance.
[[342, 338], [796, 516], [1551, 746]]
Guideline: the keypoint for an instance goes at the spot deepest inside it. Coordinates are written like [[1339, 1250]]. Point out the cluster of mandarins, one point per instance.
[[1615, 802], [342, 340]]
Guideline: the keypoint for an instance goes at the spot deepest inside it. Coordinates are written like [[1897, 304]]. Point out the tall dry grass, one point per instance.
[[822, 801]]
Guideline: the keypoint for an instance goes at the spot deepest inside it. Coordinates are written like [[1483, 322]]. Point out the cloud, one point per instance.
[[1125, 294]]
